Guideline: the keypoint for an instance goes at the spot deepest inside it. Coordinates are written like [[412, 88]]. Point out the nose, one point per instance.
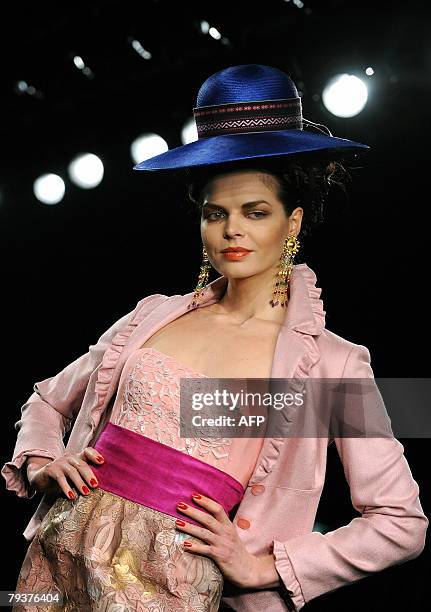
[[232, 228]]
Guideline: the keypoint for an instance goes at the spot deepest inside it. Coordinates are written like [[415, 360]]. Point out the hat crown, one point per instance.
[[246, 82]]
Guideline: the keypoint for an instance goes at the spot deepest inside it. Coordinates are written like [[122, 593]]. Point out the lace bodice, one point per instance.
[[148, 400]]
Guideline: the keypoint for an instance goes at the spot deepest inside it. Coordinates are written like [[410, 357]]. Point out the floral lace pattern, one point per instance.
[[104, 553], [150, 406]]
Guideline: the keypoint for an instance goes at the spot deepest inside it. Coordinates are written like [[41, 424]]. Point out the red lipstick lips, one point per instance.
[[236, 250], [235, 253]]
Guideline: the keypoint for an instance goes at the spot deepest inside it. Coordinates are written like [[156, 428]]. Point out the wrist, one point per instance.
[[34, 463], [265, 575]]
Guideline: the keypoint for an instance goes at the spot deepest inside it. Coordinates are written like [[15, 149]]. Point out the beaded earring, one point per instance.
[[203, 278], [290, 248]]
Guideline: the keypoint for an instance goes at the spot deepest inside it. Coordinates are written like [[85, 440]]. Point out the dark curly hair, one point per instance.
[[304, 180]]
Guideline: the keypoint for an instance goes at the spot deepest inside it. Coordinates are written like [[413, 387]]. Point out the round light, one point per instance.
[[78, 61], [189, 132], [146, 146], [214, 33], [345, 95], [49, 188], [86, 170], [205, 26]]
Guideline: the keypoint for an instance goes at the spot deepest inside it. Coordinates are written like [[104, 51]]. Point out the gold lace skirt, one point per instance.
[[104, 553]]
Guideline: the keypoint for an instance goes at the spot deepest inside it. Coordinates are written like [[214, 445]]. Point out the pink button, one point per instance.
[[243, 523]]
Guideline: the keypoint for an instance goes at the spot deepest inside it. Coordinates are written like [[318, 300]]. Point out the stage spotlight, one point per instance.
[[345, 95], [140, 49], [49, 188], [146, 146], [86, 170], [77, 60], [205, 26], [80, 64], [23, 88], [214, 33], [189, 132]]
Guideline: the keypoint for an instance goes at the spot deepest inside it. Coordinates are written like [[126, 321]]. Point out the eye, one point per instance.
[[254, 212], [258, 212]]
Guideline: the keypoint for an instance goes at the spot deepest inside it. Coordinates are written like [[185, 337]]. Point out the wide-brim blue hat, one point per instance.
[[245, 112]]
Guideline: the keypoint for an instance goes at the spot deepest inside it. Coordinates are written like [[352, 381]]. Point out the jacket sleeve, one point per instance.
[[49, 412], [391, 529]]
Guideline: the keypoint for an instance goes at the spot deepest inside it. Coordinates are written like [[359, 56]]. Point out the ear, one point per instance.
[[295, 221]]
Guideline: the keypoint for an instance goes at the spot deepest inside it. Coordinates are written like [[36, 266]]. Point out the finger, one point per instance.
[[74, 477], [89, 454], [193, 546], [92, 454], [205, 518], [60, 479], [81, 474], [196, 531], [212, 506]]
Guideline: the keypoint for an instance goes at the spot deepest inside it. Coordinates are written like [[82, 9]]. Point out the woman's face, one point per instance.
[[241, 208]]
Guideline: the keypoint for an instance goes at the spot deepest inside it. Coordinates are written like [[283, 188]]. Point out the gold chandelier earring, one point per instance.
[[290, 248], [203, 277]]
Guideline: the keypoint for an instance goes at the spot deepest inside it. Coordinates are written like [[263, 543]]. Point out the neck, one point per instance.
[[248, 298]]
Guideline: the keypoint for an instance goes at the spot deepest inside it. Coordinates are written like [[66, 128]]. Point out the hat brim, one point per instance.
[[233, 147]]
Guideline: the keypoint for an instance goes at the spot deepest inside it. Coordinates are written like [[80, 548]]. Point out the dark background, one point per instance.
[[71, 270]]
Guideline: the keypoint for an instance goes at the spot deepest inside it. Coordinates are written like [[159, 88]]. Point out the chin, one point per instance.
[[238, 273]]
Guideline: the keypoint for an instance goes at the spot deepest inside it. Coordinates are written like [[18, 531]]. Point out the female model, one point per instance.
[[135, 517]]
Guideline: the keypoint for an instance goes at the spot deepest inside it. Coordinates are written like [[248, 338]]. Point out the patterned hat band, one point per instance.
[[242, 117]]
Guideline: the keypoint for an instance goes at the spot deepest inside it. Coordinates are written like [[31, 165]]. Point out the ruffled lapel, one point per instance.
[[296, 352]]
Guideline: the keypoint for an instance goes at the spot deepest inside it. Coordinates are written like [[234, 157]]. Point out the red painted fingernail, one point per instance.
[[197, 496], [186, 543], [71, 494], [85, 489], [180, 523], [99, 458], [93, 482], [182, 506]]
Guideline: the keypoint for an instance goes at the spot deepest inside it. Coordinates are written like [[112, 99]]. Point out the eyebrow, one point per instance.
[[246, 205]]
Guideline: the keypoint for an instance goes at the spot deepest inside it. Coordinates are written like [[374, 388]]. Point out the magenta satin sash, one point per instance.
[[157, 476]]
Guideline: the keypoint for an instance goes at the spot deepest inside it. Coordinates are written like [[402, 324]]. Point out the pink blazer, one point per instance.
[[280, 503]]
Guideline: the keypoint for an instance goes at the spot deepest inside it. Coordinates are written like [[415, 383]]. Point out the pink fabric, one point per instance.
[[282, 496], [148, 400], [158, 476]]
